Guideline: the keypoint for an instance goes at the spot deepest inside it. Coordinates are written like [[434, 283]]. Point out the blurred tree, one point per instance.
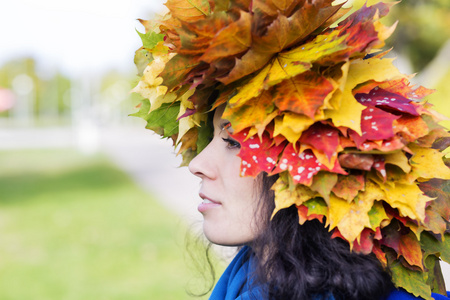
[[48, 96], [424, 28]]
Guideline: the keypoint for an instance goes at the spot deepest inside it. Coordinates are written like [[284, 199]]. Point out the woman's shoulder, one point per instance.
[[402, 295]]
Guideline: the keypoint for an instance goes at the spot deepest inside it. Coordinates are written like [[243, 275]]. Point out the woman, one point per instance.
[[316, 155]]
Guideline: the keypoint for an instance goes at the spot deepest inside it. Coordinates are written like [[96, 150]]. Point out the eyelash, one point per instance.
[[232, 144]]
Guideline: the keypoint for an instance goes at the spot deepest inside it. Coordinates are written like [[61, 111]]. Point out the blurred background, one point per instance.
[[92, 205]]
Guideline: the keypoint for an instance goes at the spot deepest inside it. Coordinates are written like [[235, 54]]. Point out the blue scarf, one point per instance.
[[236, 283]]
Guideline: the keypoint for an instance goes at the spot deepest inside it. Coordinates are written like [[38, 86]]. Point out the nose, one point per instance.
[[202, 165]]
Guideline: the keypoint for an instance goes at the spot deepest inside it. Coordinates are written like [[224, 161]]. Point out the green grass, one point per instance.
[[75, 227]]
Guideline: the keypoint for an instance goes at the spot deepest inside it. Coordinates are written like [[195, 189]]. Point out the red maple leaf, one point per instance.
[[303, 166], [322, 137], [387, 101], [257, 155], [376, 124]]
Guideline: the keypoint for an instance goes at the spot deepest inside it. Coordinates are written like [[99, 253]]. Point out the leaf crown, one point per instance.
[[351, 139]]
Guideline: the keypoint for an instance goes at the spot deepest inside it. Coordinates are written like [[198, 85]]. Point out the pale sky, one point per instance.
[[76, 36]]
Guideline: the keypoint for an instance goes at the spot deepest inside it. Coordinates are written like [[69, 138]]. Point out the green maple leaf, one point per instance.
[[162, 120], [150, 39], [435, 278], [413, 281]]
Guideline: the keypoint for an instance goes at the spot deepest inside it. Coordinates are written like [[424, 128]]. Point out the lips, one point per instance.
[[207, 204]]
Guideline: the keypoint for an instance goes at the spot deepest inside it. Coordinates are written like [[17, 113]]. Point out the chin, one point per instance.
[[225, 238]]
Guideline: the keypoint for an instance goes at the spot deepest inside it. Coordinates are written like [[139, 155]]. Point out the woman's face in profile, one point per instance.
[[230, 202]]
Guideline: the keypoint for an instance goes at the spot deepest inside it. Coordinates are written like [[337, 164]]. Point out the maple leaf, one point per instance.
[[352, 217], [404, 242], [286, 197], [302, 166], [323, 183], [437, 214], [409, 248], [303, 94], [289, 64], [387, 100], [434, 222], [435, 188], [177, 68], [377, 215], [315, 208], [298, 60], [435, 279], [291, 126], [253, 112], [427, 163], [186, 122], [407, 198], [399, 159], [413, 281], [380, 166], [281, 33], [358, 161], [189, 10], [150, 86], [188, 141], [376, 124], [431, 245], [162, 120], [195, 38], [257, 155], [231, 40], [403, 87], [322, 137], [410, 128], [150, 39], [348, 114], [347, 187]]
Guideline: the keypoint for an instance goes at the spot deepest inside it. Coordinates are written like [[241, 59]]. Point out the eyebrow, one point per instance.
[[225, 125]]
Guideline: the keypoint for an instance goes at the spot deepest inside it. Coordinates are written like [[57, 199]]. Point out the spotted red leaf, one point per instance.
[[257, 155], [379, 165], [322, 137], [388, 101], [303, 166], [376, 124]]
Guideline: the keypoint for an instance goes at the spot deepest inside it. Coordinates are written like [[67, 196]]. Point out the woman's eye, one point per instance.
[[232, 143]]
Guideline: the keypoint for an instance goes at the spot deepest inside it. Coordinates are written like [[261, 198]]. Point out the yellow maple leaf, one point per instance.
[[150, 86], [427, 163], [335, 100], [291, 126], [348, 114], [252, 89], [356, 219], [337, 209], [286, 197], [187, 122], [351, 218], [407, 198], [399, 159]]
